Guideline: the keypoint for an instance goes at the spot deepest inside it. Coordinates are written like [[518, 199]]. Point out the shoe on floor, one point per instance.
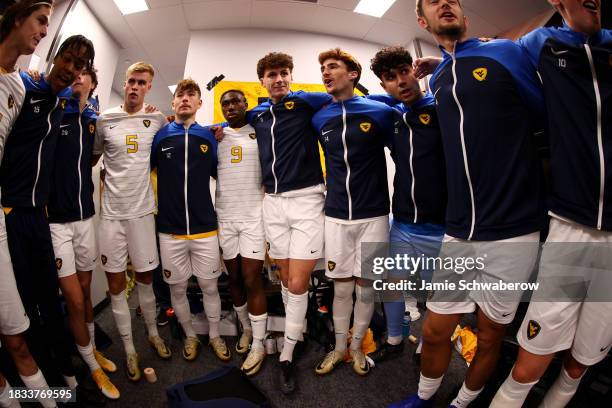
[[413, 401], [104, 362], [413, 311], [254, 361], [162, 318], [220, 348], [287, 377], [360, 363], [244, 342], [190, 348], [329, 362], [160, 347], [105, 385], [387, 352], [132, 368]]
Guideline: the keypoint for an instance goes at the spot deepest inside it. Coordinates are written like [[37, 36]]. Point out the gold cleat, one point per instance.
[[105, 385], [244, 342], [360, 363], [160, 347], [253, 362], [104, 362], [133, 370], [331, 361], [220, 348], [190, 349]]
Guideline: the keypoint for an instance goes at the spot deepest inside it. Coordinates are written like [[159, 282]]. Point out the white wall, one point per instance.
[[114, 99]]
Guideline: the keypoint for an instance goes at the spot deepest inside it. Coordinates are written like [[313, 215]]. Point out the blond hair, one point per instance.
[[140, 66]]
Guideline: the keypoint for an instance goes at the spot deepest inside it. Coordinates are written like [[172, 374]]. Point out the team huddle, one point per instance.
[[467, 172]]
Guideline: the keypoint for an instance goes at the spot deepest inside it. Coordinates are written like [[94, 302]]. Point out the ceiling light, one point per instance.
[[376, 8], [172, 88], [131, 6]]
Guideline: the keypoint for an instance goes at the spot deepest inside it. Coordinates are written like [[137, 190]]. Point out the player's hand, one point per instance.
[[425, 66], [34, 74], [486, 39], [170, 118], [218, 132], [149, 108]]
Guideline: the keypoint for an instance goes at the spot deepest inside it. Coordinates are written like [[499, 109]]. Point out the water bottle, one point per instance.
[[175, 330], [406, 325]]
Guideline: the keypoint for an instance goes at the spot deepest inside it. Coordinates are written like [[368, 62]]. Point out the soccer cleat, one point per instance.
[[220, 348], [105, 385], [330, 361], [162, 318], [160, 347], [244, 342], [133, 370], [191, 347], [387, 352], [253, 362], [104, 362], [412, 401], [287, 377], [360, 364]]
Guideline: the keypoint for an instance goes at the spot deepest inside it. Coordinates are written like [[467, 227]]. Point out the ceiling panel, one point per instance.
[[283, 15], [217, 14], [341, 4], [159, 23], [390, 33], [162, 3], [341, 22]]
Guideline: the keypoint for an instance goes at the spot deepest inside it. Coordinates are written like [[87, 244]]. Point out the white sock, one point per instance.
[[465, 396], [363, 311], [91, 327], [511, 393], [71, 381], [284, 295], [87, 353], [178, 297], [342, 309], [428, 386], [394, 340], [243, 316], [5, 401], [37, 382], [146, 299], [212, 305], [562, 391], [294, 323], [123, 320], [259, 324]]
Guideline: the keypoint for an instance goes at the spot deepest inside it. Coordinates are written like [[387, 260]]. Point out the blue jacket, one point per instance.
[[353, 134], [488, 102], [72, 189], [29, 155], [577, 75], [288, 149], [185, 161]]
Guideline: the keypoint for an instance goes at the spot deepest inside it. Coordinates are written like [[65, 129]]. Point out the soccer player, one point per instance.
[[293, 183], [353, 132], [238, 202], [71, 210], [488, 99], [419, 185], [124, 135], [21, 29], [25, 178], [184, 155], [575, 62]]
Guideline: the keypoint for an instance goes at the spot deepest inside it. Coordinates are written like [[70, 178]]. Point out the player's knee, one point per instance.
[[576, 369], [523, 374], [297, 285], [434, 335], [17, 347], [251, 281]]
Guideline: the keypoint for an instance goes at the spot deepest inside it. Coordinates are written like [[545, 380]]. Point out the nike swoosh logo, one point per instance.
[[326, 132], [603, 349], [506, 314], [63, 126], [436, 93], [256, 252], [312, 252], [260, 115], [151, 262], [33, 101], [397, 123], [167, 148], [555, 52], [112, 127]]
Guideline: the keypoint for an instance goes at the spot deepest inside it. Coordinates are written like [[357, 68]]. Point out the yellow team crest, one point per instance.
[[290, 105], [252, 136], [204, 148], [63, 103], [58, 263], [11, 101], [480, 74], [425, 118], [167, 273], [533, 329], [146, 122], [331, 265], [92, 128], [365, 126]]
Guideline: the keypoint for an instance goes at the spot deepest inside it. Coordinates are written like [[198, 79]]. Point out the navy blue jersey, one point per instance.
[[353, 134], [488, 102], [29, 156], [577, 75], [185, 160], [288, 149], [72, 189]]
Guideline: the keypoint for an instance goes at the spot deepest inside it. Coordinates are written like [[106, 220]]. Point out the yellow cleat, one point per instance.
[[190, 349], [105, 385], [220, 348], [244, 342], [104, 362], [360, 363], [160, 347], [253, 362], [133, 370], [331, 361]]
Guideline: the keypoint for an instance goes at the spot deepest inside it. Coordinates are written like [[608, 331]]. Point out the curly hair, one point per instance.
[[274, 60], [390, 58]]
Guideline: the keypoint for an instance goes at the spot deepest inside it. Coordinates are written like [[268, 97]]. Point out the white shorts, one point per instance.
[[509, 260], [294, 225], [136, 237], [343, 249], [182, 258], [13, 318], [585, 326], [246, 238], [74, 244]]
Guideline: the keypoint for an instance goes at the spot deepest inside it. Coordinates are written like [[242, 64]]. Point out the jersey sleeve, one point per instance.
[[529, 84], [154, 150], [532, 44], [316, 99], [384, 98]]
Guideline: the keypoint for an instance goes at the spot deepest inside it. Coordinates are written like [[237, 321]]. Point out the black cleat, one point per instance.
[[387, 352], [287, 377], [162, 318]]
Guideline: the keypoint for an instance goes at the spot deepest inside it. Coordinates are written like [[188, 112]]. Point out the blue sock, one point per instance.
[[395, 317]]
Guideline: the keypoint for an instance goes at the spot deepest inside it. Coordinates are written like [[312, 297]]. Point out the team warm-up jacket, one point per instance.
[[576, 72], [29, 156], [72, 190], [185, 160], [353, 134], [488, 101], [288, 148]]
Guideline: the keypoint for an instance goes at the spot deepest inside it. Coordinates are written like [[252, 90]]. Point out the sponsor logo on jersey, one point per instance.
[[103, 259], [167, 273], [11, 102], [425, 118], [146, 122], [204, 148], [252, 136], [331, 265], [58, 263], [92, 128], [533, 329], [365, 126], [480, 74]]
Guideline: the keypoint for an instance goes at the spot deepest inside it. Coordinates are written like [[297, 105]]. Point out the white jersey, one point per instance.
[[125, 140], [239, 190]]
